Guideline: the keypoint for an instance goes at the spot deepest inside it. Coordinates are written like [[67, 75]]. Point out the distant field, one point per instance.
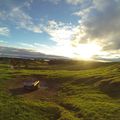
[[67, 92]]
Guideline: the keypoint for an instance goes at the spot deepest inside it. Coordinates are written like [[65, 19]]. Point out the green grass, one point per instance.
[[81, 94]]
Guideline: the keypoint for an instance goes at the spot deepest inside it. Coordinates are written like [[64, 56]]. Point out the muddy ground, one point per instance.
[[47, 91]]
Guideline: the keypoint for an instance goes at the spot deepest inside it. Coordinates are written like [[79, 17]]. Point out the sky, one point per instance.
[[81, 29]]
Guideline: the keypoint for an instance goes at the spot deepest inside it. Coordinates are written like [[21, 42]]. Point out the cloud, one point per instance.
[[108, 56], [59, 32], [3, 42], [58, 49], [4, 31], [17, 16], [27, 3], [23, 20], [3, 15], [15, 52], [83, 11], [100, 23], [74, 2]]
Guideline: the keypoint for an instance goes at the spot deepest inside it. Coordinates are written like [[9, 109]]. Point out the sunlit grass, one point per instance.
[[90, 94]]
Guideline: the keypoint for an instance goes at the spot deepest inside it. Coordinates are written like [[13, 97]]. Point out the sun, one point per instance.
[[87, 51]]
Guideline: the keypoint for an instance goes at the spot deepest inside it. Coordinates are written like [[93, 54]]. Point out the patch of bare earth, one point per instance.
[[45, 92]]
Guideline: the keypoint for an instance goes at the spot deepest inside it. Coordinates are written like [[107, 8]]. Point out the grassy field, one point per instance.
[[70, 93]]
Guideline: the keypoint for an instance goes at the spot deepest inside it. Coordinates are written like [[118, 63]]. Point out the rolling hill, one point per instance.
[[65, 94]]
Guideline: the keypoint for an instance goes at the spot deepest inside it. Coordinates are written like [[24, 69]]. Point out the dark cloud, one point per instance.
[[102, 23], [105, 59], [25, 53]]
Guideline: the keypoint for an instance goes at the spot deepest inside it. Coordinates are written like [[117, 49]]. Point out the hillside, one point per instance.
[[67, 92]]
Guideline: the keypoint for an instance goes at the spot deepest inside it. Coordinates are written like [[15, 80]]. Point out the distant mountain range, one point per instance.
[[24, 53]]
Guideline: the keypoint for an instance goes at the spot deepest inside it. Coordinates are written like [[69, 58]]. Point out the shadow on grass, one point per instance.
[[20, 91], [112, 88]]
